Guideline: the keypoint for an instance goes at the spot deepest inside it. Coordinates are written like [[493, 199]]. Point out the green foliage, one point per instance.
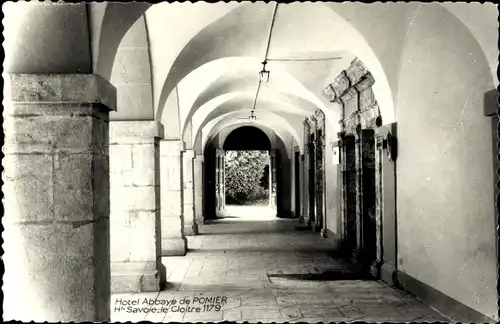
[[244, 171]]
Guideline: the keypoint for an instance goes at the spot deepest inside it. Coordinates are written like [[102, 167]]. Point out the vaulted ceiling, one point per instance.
[[204, 58]]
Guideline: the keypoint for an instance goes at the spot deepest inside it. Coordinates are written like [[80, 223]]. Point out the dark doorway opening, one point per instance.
[[297, 184], [368, 198], [350, 192], [312, 181]]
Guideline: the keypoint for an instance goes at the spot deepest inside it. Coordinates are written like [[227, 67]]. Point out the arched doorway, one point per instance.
[[250, 154]]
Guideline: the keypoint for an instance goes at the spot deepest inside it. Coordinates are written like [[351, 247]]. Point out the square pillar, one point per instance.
[[173, 241], [198, 188], [190, 226], [135, 206], [56, 187]]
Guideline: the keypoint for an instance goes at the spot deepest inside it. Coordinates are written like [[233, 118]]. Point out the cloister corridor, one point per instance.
[[269, 271], [138, 135]]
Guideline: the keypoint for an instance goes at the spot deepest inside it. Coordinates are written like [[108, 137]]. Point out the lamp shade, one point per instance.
[[264, 74]]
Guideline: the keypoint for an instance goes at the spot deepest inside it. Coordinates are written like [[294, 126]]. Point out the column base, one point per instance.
[[191, 230], [324, 232], [220, 213], [137, 277], [356, 259], [174, 247], [375, 269], [388, 273]]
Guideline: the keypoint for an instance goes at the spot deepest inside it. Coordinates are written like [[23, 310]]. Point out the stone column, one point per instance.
[[319, 187], [217, 185], [359, 197], [272, 179], [312, 185], [173, 241], [56, 187], [135, 206], [343, 187], [190, 226], [305, 185], [223, 181], [220, 192], [198, 188], [378, 200]]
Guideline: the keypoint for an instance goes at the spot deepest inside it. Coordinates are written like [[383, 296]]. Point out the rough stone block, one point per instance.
[[67, 88], [101, 231], [171, 148], [134, 132], [28, 188], [57, 265], [135, 102], [135, 281], [133, 198], [191, 229], [144, 165], [171, 174], [100, 134], [120, 242], [171, 226], [73, 133], [173, 246], [120, 157], [143, 234], [73, 192], [100, 186], [121, 179], [171, 202]]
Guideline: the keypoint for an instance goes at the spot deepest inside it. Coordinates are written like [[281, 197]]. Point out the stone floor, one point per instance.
[[254, 267]]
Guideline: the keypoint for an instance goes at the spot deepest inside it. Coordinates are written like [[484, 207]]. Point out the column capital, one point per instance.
[[189, 153], [59, 89], [199, 158], [171, 147], [134, 132]]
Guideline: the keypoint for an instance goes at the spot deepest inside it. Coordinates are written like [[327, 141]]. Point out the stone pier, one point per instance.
[[56, 187], [198, 188], [173, 240], [190, 226], [135, 206]]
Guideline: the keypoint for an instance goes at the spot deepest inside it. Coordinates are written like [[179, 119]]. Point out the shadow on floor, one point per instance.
[[323, 276]]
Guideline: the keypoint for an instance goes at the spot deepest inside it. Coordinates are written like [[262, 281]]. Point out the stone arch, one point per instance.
[[283, 86], [240, 105], [221, 49], [279, 124], [364, 29], [247, 138], [131, 75]]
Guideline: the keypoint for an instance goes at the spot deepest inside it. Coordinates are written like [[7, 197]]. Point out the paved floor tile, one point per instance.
[[257, 264]]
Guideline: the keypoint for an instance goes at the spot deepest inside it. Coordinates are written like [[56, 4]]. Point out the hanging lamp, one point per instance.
[[264, 74]]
